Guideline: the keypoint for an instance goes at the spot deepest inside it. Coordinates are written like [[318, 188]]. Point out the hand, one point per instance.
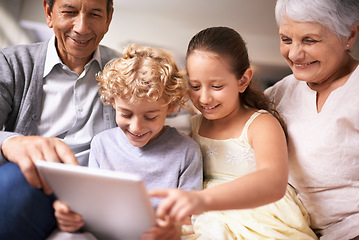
[[178, 204], [67, 221], [165, 230], [26, 150]]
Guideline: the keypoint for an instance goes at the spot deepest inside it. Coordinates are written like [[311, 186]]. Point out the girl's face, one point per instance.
[[314, 53], [214, 89], [141, 121]]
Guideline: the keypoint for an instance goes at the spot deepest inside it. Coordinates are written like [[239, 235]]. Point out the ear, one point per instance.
[[48, 14], [353, 36], [113, 103], [245, 80], [109, 19], [171, 108]]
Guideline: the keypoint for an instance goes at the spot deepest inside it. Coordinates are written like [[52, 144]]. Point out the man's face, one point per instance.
[[79, 26]]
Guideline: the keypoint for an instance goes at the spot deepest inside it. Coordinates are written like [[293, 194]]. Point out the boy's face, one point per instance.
[[141, 121]]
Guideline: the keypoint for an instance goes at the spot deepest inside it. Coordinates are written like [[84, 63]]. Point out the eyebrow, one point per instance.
[[128, 110], [93, 9]]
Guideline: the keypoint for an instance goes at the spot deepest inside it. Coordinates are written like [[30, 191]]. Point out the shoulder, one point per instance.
[[29, 48], [108, 54], [265, 124], [180, 141], [282, 87], [179, 137], [25, 55], [105, 136]]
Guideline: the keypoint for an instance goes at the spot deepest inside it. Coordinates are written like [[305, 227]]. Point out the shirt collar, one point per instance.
[[52, 58]]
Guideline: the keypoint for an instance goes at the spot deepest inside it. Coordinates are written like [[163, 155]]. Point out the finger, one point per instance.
[[160, 193], [61, 207], [30, 173], [65, 153], [55, 150]]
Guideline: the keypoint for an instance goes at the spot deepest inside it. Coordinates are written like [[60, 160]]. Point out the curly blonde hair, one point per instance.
[[143, 73]]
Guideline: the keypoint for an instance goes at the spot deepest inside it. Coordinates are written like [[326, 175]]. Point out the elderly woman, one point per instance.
[[320, 104]]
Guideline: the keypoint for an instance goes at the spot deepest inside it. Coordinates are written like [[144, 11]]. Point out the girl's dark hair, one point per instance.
[[227, 42]]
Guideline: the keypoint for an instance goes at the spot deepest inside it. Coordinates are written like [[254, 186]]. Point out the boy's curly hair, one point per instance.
[[143, 73]]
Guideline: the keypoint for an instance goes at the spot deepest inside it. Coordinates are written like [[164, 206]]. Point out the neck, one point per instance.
[[337, 79]]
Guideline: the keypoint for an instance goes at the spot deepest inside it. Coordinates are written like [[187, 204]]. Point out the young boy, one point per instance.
[[143, 86]]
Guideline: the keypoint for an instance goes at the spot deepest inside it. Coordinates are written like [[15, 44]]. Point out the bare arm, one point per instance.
[[263, 186]]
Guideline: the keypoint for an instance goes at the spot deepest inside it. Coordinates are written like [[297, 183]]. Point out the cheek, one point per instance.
[[193, 94], [284, 50]]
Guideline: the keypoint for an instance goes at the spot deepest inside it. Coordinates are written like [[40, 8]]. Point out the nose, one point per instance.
[[136, 125], [296, 52], [81, 24], [205, 96]]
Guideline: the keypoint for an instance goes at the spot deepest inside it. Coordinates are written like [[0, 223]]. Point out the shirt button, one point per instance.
[[80, 109], [34, 117]]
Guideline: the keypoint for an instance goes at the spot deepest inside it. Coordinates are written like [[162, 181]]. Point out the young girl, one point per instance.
[[246, 195], [143, 86]]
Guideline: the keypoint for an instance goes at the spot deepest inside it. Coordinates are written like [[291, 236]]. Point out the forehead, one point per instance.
[[140, 105], [304, 28], [91, 4]]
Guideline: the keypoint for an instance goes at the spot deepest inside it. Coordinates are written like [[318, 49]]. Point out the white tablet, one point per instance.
[[114, 205]]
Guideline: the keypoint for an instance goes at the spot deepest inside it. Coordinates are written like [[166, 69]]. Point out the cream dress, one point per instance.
[[225, 160]]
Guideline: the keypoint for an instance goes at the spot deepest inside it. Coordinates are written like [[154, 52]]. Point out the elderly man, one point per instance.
[[50, 110]]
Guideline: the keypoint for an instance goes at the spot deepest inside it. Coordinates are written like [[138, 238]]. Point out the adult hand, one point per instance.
[[26, 150], [178, 204]]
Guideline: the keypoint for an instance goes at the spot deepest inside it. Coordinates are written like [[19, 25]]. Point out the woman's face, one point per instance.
[[314, 53]]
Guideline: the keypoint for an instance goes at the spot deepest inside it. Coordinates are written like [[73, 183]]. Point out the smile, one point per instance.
[[209, 108], [137, 135], [303, 65], [80, 41]]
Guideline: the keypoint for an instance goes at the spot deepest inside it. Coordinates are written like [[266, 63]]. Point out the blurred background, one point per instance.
[[167, 24]]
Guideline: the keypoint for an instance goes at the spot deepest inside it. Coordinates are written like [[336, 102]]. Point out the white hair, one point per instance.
[[337, 15]]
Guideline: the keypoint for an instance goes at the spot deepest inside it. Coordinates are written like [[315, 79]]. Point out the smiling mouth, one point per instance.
[[136, 135], [82, 42], [209, 108], [303, 64]]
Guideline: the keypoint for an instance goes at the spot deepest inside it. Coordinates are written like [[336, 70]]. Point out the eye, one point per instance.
[[286, 40], [194, 87], [217, 87], [96, 14], [150, 118], [126, 115], [309, 41]]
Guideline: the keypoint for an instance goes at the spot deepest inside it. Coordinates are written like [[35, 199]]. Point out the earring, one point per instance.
[[347, 45]]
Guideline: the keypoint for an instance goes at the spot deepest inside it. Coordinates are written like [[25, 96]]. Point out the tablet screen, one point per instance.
[[114, 205]]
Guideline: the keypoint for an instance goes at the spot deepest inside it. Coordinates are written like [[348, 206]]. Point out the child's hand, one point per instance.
[[178, 204], [165, 230], [67, 221]]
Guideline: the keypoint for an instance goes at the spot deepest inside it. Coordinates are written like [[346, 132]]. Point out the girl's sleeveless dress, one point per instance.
[[225, 160]]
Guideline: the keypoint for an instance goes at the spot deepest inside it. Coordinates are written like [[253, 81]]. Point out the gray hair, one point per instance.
[[337, 15]]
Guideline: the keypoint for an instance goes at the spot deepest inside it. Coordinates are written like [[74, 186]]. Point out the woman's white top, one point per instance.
[[324, 152]]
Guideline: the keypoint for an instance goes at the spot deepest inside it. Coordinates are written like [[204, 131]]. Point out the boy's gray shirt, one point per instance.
[[172, 160], [21, 88]]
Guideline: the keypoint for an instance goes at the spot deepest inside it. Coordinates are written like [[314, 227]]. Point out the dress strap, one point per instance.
[[250, 120], [196, 122]]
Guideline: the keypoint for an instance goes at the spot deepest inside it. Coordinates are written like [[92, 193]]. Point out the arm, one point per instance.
[[267, 184], [20, 107]]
